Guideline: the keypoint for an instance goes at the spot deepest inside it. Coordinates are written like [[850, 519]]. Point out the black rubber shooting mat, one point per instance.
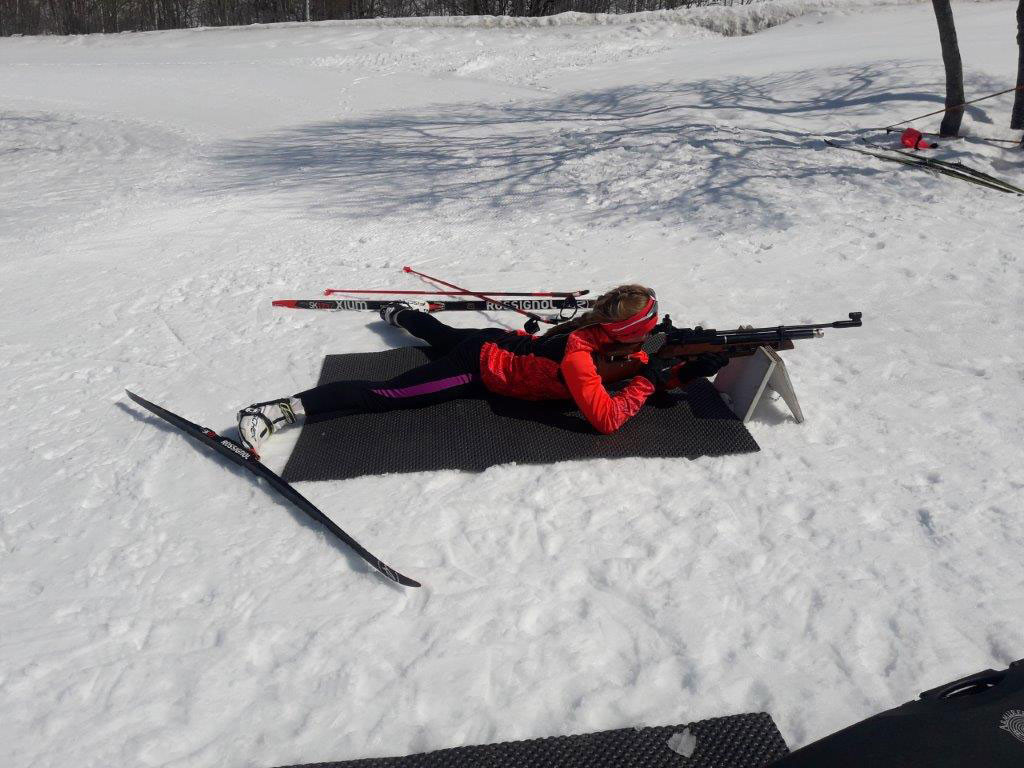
[[474, 434], [737, 741]]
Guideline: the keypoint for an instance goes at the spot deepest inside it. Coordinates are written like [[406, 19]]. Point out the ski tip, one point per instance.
[[290, 303], [391, 574], [140, 401]]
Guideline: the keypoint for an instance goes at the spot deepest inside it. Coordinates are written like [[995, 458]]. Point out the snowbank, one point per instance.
[[726, 20]]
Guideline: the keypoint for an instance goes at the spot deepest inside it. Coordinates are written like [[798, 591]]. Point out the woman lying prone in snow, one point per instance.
[[558, 365]]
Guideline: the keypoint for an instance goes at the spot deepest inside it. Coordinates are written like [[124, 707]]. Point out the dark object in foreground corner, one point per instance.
[[737, 741], [975, 721]]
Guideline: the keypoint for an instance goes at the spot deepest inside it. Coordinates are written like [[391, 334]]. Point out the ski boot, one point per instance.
[[389, 312], [259, 421]]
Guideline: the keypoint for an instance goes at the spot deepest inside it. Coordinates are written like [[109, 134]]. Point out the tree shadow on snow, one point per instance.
[[708, 151]]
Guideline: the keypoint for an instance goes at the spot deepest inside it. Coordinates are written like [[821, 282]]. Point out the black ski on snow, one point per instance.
[[954, 166], [243, 457], [341, 305], [947, 169]]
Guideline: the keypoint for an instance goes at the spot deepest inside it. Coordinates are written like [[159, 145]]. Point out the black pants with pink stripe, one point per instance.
[[456, 374]]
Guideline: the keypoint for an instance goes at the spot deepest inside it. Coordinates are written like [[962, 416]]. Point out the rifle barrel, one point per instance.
[[750, 335], [853, 322]]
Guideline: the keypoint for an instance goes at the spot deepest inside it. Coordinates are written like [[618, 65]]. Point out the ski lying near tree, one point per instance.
[[243, 457], [953, 166], [947, 169], [342, 305]]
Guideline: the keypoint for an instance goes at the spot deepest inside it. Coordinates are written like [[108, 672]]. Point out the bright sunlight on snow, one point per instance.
[[157, 190]]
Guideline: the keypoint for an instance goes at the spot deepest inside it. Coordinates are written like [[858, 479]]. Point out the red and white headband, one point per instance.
[[636, 326]]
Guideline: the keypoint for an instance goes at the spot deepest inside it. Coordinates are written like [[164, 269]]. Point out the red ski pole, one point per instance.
[[533, 322], [554, 294]]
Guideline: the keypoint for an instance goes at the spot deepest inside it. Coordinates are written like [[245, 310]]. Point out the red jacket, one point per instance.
[[561, 368]]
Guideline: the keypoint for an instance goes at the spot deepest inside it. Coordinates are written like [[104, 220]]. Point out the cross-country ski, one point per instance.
[[954, 170], [453, 305], [243, 457]]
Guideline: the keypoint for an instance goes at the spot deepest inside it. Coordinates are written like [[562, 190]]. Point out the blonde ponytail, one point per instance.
[[617, 304]]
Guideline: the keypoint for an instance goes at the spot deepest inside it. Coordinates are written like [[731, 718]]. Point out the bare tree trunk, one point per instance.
[[1017, 116], [954, 69]]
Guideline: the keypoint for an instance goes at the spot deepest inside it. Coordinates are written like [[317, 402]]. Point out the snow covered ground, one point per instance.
[[158, 190]]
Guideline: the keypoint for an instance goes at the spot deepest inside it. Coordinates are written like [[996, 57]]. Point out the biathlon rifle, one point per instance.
[[689, 343]]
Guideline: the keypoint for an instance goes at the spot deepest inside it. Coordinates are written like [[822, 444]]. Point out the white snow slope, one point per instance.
[[157, 608]]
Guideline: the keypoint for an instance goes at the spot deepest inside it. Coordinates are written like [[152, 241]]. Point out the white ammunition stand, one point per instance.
[[745, 382]]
